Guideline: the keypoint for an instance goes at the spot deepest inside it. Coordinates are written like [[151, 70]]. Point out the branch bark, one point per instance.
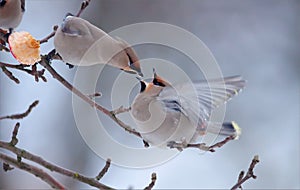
[[34, 158], [22, 115], [45, 62], [152, 183], [33, 170], [250, 174], [201, 146]]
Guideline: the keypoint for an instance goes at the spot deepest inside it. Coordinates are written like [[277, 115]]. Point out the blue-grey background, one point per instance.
[[257, 39]]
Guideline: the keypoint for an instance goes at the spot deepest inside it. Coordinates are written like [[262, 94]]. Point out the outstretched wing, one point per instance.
[[197, 100]]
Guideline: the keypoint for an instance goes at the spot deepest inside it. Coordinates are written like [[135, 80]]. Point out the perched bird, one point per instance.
[[79, 42], [165, 113], [11, 13]]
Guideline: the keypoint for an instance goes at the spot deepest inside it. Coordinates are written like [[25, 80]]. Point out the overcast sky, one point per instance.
[[256, 39]]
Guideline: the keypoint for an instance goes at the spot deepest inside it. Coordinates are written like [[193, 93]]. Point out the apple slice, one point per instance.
[[24, 48]]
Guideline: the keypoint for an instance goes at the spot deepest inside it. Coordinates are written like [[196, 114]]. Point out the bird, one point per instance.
[[11, 13], [166, 113], [81, 43]]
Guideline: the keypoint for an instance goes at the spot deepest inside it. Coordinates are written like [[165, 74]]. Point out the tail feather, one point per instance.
[[226, 129]]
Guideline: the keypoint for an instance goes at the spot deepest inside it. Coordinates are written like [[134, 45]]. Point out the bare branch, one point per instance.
[[84, 5], [153, 181], [3, 47], [97, 94], [202, 146], [146, 144], [121, 110], [47, 38], [14, 139], [3, 35], [104, 170], [10, 75], [250, 174], [33, 170], [34, 72], [221, 143], [24, 154], [7, 167], [45, 62], [22, 115]]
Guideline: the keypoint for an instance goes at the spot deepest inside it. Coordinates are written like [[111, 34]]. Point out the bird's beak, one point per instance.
[[157, 80], [134, 68], [63, 25], [137, 68]]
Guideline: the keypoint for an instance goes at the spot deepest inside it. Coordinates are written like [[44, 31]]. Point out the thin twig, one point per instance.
[[14, 139], [47, 38], [10, 75], [34, 158], [104, 170], [34, 72], [241, 175], [250, 174], [33, 170], [84, 5], [97, 94], [202, 146], [221, 143], [22, 115], [3, 47], [121, 110], [153, 181], [3, 35], [7, 167]]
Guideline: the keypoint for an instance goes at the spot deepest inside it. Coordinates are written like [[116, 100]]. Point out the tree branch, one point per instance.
[[47, 38], [34, 72], [121, 110], [153, 181], [84, 5], [34, 158], [3, 47], [104, 170], [22, 115], [45, 62], [3, 36], [97, 94], [33, 170], [250, 174], [14, 139], [10, 75], [202, 146]]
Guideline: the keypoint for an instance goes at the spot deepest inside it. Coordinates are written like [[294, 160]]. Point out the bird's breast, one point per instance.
[[158, 126]]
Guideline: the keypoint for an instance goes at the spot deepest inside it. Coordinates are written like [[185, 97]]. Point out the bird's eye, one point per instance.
[[2, 3], [158, 83]]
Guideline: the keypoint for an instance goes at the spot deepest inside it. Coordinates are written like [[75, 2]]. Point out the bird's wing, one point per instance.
[[197, 100], [23, 5]]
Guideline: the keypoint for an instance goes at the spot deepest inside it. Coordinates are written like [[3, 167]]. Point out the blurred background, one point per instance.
[[256, 39]]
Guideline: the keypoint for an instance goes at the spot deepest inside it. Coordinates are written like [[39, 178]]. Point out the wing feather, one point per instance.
[[197, 100]]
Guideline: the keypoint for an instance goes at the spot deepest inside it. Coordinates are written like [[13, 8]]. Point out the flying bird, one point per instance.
[[165, 113]]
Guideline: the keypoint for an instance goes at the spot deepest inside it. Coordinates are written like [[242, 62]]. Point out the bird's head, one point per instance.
[[148, 88], [159, 81], [74, 26]]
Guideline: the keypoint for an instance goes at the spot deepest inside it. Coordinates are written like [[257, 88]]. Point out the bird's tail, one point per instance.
[[226, 129]]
